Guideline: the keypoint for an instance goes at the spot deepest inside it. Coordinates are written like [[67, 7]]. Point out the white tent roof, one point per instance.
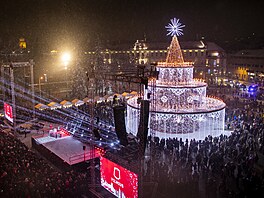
[[77, 102], [41, 106], [66, 103], [54, 105]]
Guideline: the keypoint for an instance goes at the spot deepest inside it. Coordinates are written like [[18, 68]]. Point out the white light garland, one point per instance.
[[179, 105]]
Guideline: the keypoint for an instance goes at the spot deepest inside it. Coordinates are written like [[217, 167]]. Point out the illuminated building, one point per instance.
[[209, 59], [247, 65], [179, 105]]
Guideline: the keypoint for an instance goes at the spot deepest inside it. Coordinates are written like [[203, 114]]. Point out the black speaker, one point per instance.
[[96, 133], [120, 126], [97, 120], [148, 95], [142, 133]]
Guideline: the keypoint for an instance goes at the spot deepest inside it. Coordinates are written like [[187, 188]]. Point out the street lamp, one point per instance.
[[45, 78], [66, 58], [40, 78]]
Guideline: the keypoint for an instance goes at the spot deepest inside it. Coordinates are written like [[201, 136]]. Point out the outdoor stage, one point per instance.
[[67, 148]]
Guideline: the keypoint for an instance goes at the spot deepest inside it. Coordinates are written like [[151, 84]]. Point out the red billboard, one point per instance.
[[118, 180], [8, 112]]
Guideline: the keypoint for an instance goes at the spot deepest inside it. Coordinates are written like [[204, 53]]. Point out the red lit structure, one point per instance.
[[118, 180], [8, 112]]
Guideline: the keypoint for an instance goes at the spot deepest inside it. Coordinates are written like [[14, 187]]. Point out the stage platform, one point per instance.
[[68, 149]]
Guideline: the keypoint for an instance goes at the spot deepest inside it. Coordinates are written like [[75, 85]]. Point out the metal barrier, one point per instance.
[[86, 155]]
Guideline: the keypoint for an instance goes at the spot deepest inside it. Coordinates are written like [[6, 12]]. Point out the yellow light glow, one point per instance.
[[22, 43], [66, 58], [215, 54]]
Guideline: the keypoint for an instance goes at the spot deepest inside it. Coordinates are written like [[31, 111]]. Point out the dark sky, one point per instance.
[[71, 23]]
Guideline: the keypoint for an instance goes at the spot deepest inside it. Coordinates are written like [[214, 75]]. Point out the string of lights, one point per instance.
[[182, 107]]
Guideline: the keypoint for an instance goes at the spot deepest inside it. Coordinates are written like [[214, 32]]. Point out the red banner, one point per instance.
[[118, 180], [8, 112]]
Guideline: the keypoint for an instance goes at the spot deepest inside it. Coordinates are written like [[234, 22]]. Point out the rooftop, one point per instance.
[[251, 53]]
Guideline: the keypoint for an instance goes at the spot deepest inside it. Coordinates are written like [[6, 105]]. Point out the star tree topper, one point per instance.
[[175, 27]]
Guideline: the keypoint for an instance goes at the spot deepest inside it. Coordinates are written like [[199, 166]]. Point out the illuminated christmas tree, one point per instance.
[[180, 106], [174, 55], [174, 29]]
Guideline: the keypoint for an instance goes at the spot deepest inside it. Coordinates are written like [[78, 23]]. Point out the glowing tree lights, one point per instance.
[[174, 56], [180, 105]]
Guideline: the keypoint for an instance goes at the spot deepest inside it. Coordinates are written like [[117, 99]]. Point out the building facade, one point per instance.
[[247, 65], [209, 59]]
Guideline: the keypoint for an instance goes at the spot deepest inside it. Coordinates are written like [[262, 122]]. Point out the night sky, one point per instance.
[[79, 23]]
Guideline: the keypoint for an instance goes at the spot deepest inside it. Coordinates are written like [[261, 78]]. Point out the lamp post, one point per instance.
[[66, 75], [45, 78], [40, 78], [66, 58]]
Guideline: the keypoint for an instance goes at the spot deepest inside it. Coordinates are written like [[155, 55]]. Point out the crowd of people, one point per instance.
[[224, 166], [23, 173]]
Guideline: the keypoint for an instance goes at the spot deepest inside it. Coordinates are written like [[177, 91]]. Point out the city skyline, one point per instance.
[[71, 24]]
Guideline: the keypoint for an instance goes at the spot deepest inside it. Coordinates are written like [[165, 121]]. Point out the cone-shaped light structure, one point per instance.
[[174, 56]]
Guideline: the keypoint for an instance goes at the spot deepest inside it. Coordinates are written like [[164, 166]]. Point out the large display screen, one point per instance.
[[118, 180], [8, 112]]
